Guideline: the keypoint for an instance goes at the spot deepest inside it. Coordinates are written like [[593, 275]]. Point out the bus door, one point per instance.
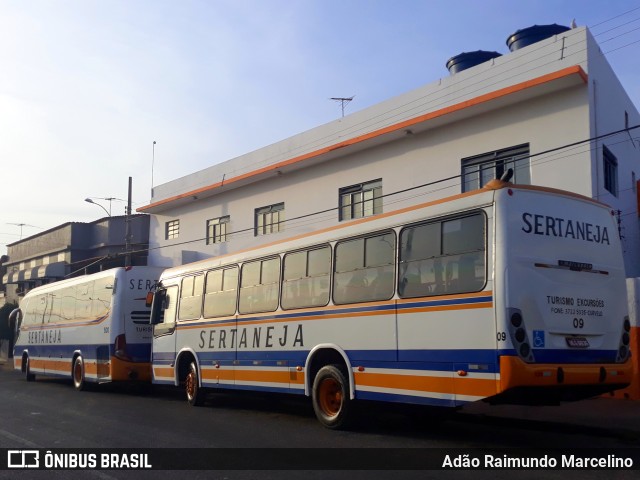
[[164, 337]]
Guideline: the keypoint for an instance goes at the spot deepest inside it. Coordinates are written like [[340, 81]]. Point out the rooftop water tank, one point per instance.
[[469, 59], [536, 33]]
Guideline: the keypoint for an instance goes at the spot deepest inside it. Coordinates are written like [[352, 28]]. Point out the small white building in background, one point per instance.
[[533, 109]]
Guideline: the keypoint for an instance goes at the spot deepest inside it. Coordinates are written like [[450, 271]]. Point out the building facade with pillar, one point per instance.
[[72, 249]]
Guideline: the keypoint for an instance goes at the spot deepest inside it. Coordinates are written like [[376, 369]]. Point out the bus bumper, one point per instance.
[[522, 382], [122, 370]]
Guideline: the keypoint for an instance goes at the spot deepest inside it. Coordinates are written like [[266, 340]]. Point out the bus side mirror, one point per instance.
[[149, 299], [156, 302], [15, 317]]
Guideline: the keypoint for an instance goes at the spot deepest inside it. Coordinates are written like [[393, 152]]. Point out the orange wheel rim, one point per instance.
[[330, 396], [78, 372], [191, 385]]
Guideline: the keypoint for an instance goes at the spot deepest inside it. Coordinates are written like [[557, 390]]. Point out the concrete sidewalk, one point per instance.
[[6, 363]]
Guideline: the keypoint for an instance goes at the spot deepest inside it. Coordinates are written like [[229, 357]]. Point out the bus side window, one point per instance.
[[442, 257], [191, 297], [169, 305], [364, 269]]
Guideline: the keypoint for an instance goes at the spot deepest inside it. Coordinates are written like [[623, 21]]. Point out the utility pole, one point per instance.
[[127, 234]]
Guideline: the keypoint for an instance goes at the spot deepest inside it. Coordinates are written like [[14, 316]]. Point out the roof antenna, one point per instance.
[[343, 101], [506, 176]]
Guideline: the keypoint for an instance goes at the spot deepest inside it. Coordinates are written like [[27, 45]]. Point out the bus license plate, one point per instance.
[[577, 342]]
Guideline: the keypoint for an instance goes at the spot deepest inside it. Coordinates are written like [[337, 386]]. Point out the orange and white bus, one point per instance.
[[505, 294], [93, 328]]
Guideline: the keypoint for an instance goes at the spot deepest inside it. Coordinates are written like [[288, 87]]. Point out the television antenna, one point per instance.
[[22, 225], [343, 101]]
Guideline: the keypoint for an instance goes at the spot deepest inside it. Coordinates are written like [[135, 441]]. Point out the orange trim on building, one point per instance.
[[565, 72]]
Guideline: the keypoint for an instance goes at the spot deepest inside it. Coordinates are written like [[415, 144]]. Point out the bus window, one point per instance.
[[259, 286], [306, 278], [68, 303], [191, 297], [83, 305], [101, 300], [442, 257], [221, 292], [364, 269]]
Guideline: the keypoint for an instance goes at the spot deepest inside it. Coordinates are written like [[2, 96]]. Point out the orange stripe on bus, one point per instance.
[[164, 372], [451, 385]]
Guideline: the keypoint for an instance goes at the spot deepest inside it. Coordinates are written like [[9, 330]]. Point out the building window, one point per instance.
[[172, 229], [610, 166], [361, 200], [480, 169], [217, 229], [269, 219]]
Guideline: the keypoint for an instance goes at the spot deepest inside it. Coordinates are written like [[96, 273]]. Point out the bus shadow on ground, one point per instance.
[[372, 418]]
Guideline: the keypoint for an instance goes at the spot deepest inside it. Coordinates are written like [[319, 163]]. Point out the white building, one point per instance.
[[527, 109]]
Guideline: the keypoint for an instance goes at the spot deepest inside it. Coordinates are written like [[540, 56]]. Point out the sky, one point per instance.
[[88, 86]]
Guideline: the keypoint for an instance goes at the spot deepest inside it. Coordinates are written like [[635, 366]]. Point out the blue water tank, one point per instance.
[[536, 33], [469, 59]]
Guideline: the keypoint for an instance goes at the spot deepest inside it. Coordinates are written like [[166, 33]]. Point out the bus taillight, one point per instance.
[[625, 339], [121, 347], [519, 336]]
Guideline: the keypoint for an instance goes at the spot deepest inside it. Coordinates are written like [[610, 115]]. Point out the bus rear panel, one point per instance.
[[562, 325]]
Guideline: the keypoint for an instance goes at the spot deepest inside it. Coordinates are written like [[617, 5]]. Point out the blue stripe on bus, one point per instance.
[[574, 356], [412, 399], [138, 352], [438, 360], [390, 306]]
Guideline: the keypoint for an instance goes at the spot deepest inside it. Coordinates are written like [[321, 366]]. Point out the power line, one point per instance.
[[405, 110], [414, 188]]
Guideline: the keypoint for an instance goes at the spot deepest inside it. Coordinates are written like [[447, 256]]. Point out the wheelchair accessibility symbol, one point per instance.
[[538, 338]]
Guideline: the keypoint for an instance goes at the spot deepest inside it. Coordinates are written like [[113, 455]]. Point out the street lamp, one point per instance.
[[89, 200], [153, 161]]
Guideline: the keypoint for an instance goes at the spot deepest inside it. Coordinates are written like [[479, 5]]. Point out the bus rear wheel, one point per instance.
[[78, 373], [30, 377], [330, 396], [195, 394]]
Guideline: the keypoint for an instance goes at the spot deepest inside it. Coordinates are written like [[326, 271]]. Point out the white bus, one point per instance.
[[506, 294], [93, 328]]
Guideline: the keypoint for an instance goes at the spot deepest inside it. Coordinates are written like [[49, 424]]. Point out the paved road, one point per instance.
[[48, 413]]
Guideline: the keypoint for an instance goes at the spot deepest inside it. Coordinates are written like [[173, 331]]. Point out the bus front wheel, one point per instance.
[[195, 395], [330, 395], [78, 373]]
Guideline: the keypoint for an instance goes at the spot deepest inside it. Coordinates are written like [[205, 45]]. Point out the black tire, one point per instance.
[[30, 377], [192, 388], [77, 373], [331, 400]]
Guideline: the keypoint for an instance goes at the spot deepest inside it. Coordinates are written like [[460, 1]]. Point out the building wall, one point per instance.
[[609, 103], [415, 160], [553, 114]]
